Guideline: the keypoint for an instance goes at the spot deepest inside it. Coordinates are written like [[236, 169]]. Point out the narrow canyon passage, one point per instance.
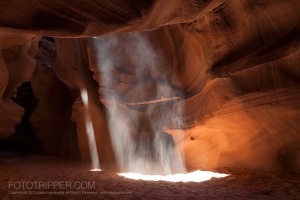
[[124, 90]]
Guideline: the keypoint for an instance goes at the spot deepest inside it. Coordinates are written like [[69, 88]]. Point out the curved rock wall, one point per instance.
[[71, 67], [16, 67], [246, 115]]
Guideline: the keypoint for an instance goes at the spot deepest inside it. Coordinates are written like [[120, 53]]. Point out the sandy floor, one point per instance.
[[241, 184]]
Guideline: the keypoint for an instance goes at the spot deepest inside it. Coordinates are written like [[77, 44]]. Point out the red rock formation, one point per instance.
[[16, 66], [11, 115], [90, 18], [248, 106], [71, 67], [51, 119]]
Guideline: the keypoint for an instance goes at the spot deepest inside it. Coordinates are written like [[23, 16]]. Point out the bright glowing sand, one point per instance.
[[95, 170], [196, 176]]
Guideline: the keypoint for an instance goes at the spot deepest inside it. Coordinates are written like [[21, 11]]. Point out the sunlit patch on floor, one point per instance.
[[95, 170], [196, 176]]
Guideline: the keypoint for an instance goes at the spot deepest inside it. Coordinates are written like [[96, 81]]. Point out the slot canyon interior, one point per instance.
[[176, 99]]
